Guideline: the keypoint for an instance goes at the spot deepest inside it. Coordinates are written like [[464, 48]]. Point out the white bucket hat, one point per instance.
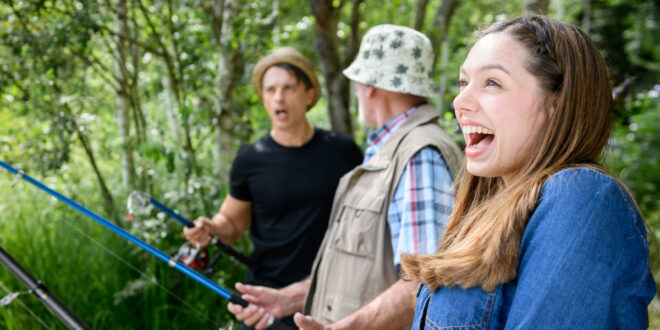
[[394, 58]]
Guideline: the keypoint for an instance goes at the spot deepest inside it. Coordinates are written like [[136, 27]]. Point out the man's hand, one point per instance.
[[201, 233], [271, 300], [253, 316], [264, 303], [306, 322], [267, 303]]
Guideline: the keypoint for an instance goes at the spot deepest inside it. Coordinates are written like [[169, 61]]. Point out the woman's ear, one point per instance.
[[551, 102]]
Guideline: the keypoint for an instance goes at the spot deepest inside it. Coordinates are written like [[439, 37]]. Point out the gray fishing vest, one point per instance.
[[355, 262]]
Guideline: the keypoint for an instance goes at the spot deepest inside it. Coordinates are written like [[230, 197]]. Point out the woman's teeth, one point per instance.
[[476, 129]]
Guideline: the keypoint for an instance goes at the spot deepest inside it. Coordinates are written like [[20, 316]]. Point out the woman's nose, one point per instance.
[[465, 100]]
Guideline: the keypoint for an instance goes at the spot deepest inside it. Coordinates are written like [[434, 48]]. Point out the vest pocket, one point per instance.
[[336, 307], [356, 229]]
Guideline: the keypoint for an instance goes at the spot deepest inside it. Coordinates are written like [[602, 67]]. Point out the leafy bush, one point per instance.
[[102, 278]]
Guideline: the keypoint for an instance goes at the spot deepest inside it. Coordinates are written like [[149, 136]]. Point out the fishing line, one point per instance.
[[131, 266], [33, 314], [232, 297]]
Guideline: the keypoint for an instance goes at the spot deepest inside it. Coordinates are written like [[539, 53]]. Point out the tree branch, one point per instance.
[[353, 41], [441, 24], [417, 21], [166, 55]]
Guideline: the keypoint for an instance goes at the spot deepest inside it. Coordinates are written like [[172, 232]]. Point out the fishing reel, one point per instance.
[[197, 259], [192, 256]]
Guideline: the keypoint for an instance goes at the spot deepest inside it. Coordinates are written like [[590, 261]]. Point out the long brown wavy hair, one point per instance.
[[482, 240]]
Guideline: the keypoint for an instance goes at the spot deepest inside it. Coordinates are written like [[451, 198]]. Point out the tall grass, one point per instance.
[[102, 278]]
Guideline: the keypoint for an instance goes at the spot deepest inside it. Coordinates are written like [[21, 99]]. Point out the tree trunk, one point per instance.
[[109, 203], [353, 40], [441, 26], [586, 16], [123, 102], [171, 110], [559, 9], [417, 21], [230, 73], [536, 7], [107, 196], [444, 62], [326, 44]]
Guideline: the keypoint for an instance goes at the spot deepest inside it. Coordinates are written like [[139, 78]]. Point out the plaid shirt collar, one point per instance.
[[379, 136]]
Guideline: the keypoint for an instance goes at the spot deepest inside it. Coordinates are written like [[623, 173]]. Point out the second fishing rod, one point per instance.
[[172, 262], [138, 199]]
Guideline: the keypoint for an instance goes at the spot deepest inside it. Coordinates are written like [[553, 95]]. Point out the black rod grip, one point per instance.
[[232, 252], [277, 325]]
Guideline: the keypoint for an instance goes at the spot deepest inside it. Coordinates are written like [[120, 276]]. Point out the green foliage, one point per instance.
[[634, 153], [96, 273], [58, 87]]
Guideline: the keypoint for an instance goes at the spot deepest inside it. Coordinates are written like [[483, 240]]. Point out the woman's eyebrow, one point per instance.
[[489, 66]]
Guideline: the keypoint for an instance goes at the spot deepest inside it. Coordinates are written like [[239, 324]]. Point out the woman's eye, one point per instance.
[[491, 82], [462, 83]]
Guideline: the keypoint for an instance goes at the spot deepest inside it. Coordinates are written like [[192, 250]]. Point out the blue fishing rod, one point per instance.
[[140, 199], [172, 262]]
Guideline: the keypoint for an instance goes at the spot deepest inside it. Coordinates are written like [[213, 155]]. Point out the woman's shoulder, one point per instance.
[[585, 190], [583, 183], [578, 175]]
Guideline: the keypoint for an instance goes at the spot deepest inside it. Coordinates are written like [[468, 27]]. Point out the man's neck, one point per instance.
[[392, 112], [295, 137]]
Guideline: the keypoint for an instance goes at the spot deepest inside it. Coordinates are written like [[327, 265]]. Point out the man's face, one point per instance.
[[285, 98]]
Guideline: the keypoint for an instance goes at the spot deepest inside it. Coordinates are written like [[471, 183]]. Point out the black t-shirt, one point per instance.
[[291, 190]]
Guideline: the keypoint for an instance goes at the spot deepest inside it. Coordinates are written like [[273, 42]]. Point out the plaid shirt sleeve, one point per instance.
[[421, 205]]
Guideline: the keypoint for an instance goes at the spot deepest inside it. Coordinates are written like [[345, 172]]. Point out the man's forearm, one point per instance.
[[392, 309], [224, 229]]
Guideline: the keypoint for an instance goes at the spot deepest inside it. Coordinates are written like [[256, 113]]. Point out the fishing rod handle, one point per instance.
[[277, 324], [232, 252], [123, 233], [236, 299], [215, 241]]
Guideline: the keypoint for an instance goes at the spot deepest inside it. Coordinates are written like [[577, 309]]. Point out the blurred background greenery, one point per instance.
[[99, 98]]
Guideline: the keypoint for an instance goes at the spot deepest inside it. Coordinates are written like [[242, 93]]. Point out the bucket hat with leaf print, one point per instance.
[[394, 58]]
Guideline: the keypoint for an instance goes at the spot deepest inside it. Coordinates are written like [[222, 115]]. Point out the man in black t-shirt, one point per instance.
[[282, 185]]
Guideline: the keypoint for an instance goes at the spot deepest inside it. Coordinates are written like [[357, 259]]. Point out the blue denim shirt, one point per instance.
[[583, 264]]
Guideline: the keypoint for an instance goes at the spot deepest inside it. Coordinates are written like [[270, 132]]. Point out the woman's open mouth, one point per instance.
[[478, 139]]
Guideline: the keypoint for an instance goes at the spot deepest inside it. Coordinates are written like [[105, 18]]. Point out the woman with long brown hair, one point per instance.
[[541, 235]]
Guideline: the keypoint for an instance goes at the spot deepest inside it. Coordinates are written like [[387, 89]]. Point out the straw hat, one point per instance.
[[394, 58], [290, 56]]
